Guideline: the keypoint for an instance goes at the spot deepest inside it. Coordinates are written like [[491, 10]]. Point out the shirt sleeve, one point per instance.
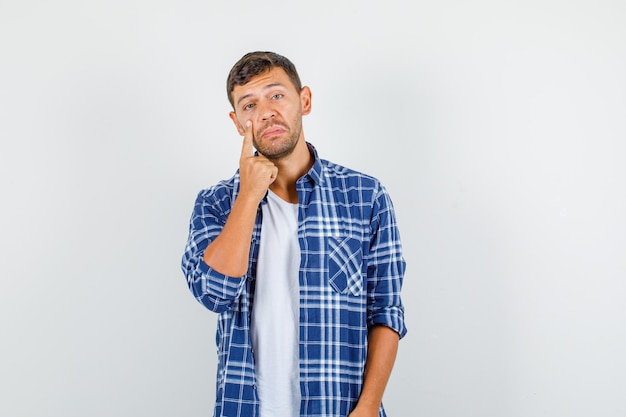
[[214, 290], [386, 267]]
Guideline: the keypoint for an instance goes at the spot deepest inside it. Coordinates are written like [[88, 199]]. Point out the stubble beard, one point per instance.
[[279, 148]]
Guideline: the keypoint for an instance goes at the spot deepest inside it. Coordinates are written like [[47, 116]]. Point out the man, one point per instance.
[[301, 258]]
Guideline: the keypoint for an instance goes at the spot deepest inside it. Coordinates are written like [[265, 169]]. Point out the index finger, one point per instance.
[[247, 148]]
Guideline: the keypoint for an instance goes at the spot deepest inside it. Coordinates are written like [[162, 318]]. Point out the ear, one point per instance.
[[240, 128], [305, 100]]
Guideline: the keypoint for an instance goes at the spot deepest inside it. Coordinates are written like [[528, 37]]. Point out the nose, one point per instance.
[[267, 111]]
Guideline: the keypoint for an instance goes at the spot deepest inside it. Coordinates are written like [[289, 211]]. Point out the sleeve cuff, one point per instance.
[[392, 318]]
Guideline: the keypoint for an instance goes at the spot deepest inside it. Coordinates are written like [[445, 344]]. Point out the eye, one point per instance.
[[248, 106], [277, 96]]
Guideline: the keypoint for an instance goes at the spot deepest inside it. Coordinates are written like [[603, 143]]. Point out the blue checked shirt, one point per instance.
[[351, 272]]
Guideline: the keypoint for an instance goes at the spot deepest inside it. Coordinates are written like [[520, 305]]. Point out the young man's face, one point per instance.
[[275, 108]]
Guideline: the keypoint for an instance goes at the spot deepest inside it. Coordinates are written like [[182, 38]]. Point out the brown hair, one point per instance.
[[255, 63]]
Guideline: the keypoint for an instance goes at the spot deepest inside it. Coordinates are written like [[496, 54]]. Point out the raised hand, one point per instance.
[[230, 251], [256, 172]]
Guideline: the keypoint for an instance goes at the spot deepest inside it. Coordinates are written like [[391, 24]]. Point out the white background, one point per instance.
[[498, 127]]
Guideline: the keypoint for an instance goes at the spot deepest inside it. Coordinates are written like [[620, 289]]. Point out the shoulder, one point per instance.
[[337, 171], [352, 180], [220, 194]]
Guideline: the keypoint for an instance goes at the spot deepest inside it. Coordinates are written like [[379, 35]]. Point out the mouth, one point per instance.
[[272, 131]]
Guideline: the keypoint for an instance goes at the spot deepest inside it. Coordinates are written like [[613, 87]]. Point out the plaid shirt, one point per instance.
[[351, 272]]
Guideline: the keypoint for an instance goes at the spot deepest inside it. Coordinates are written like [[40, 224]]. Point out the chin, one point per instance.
[[276, 154], [277, 150]]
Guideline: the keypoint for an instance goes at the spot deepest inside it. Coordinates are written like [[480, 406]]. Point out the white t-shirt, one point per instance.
[[276, 309]]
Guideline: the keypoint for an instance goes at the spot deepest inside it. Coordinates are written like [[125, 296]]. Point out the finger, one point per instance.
[[247, 147], [273, 174]]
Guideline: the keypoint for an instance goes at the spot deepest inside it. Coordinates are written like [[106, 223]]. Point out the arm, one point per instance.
[[230, 251], [385, 274], [217, 252], [381, 355], [386, 267]]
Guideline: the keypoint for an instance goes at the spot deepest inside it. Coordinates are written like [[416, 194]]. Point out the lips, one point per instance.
[[273, 130]]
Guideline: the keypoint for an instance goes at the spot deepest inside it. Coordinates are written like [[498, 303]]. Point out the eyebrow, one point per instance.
[[267, 87]]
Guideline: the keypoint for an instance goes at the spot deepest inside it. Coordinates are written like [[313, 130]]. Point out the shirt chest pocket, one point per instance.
[[345, 261]]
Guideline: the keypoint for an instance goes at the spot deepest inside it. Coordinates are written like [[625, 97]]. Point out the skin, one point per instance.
[[381, 355], [268, 114]]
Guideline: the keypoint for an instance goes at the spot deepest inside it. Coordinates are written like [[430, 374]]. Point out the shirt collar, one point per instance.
[[315, 173]]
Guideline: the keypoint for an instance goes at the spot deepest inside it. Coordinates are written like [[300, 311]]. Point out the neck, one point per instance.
[[290, 169]]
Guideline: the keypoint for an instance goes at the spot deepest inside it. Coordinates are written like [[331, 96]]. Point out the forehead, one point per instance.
[[271, 78]]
